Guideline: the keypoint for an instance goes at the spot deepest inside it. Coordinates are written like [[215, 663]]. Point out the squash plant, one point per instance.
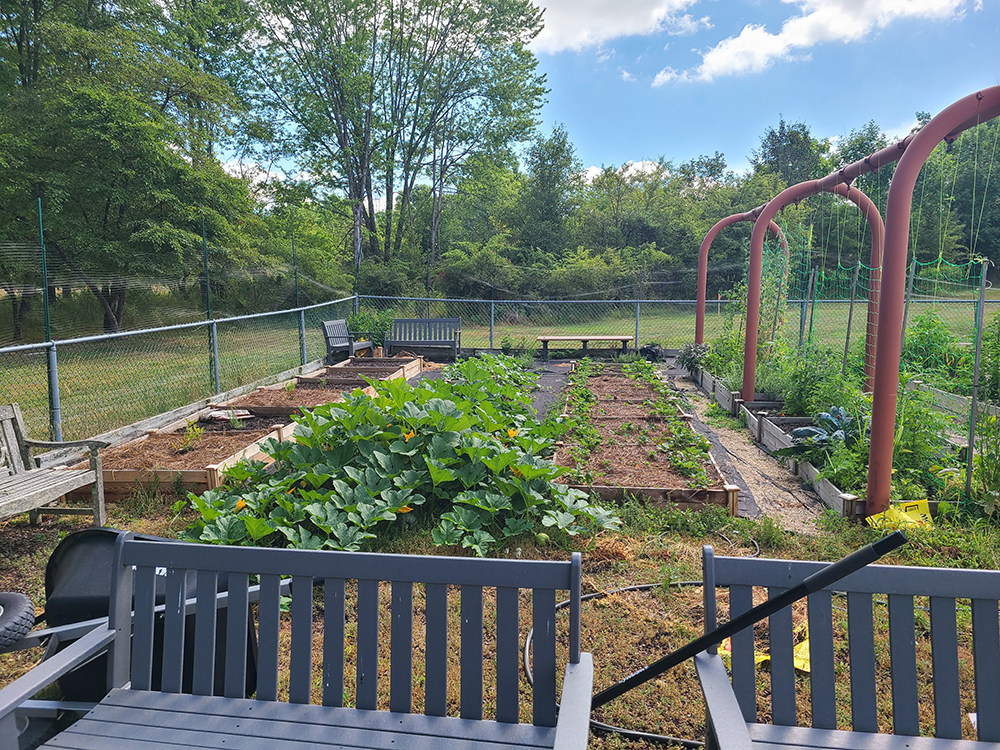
[[465, 455]]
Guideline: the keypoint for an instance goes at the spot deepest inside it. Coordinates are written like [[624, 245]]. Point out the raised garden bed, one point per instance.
[[411, 366], [182, 458], [629, 443]]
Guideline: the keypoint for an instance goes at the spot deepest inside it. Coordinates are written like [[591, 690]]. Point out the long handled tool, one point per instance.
[[819, 580]]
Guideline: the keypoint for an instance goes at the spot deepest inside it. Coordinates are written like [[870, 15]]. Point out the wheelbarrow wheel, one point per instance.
[[17, 617]]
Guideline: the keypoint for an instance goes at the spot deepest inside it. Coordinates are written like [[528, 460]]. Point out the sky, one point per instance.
[[639, 79]]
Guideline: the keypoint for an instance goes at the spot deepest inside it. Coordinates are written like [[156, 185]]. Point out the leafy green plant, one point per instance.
[[472, 468], [815, 442], [190, 437], [986, 464], [373, 324], [692, 356]]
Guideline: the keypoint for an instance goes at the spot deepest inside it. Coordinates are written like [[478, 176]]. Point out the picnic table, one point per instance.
[[583, 339]]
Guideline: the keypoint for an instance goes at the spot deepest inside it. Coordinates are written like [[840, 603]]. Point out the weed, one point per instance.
[[289, 386], [192, 434]]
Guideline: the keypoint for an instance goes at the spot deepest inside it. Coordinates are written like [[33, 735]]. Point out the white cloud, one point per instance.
[[626, 76], [581, 24], [820, 21], [603, 55], [668, 75]]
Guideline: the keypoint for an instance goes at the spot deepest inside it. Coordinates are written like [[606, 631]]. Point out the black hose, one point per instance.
[[600, 725]]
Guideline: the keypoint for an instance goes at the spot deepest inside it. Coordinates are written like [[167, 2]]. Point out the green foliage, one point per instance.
[[371, 323], [930, 348], [832, 428], [986, 464], [472, 469], [692, 356]]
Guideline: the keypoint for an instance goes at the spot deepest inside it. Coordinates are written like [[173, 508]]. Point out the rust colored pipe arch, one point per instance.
[[792, 195], [965, 113], [699, 325]]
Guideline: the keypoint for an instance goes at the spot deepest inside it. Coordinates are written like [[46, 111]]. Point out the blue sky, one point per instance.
[[639, 79]]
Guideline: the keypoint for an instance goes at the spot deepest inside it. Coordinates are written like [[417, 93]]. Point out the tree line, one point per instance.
[[390, 146]]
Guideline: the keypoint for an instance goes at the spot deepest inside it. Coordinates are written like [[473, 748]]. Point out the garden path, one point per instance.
[[766, 486]]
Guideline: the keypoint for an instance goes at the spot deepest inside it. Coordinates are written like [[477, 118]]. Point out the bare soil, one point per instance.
[[165, 450], [306, 396], [628, 455]]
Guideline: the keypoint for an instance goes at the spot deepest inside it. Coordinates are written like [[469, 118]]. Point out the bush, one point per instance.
[[373, 323]]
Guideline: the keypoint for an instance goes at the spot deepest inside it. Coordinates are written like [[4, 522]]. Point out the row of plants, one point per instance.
[[926, 464], [686, 452], [463, 458]]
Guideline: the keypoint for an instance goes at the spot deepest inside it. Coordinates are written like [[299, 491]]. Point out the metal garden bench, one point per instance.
[[448, 590], [425, 333], [842, 649], [340, 340], [26, 487]]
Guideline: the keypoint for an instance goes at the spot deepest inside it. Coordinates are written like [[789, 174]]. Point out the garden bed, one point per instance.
[[186, 458], [631, 439]]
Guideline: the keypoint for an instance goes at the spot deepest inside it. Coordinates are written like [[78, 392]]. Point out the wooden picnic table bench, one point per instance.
[[584, 339], [448, 596], [848, 645], [26, 487], [425, 333]]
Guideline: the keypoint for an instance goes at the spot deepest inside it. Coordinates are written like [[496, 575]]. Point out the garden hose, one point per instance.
[[629, 733]]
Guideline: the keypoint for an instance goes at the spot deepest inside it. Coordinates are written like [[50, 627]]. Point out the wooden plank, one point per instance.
[[279, 723], [767, 737], [333, 641], [142, 632], [822, 677], [782, 663], [173, 631], [367, 661], [903, 658], [300, 667], [472, 653], [861, 640], [436, 670], [986, 656], [508, 654], [358, 565], [743, 666], [205, 623], [401, 648], [543, 647], [236, 635], [944, 662], [268, 627]]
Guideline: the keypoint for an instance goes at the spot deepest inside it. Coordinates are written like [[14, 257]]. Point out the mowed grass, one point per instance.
[[106, 385]]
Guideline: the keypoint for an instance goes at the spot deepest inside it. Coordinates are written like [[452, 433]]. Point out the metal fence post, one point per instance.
[[492, 316], [355, 304], [802, 312], [974, 406], [55, 410], [637, 306], [302, 335], [213, 337], [850, 318]]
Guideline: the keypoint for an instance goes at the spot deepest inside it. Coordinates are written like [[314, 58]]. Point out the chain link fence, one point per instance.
[[77, 388]]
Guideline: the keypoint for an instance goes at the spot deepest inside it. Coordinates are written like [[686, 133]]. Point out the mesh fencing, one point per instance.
[[515, 324], [110, 382], [145, 301]]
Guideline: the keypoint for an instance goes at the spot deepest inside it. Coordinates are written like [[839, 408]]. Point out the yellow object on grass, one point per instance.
[[902, 515], [800, 653]]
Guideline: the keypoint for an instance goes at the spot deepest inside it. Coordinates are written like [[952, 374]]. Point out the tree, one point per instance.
[[553, 177], [375, 91], [791, 152]]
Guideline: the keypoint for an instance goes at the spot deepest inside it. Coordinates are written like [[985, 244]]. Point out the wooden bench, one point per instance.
[[340, 340], [842, 652], [584, 339], [425, 333], [25, 487], [449, 596]]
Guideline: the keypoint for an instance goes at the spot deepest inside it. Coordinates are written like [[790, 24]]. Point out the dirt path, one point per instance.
[[766, 486]]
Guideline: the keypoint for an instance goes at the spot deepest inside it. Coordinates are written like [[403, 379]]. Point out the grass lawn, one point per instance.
[[625, 631]]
